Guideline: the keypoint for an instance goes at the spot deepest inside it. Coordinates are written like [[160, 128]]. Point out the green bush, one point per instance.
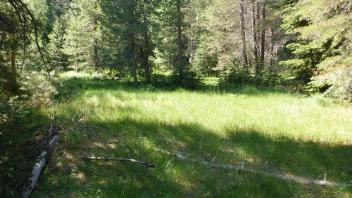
[[188, 80], [238, 76], [39, 89], [11, 108], [342, 88]]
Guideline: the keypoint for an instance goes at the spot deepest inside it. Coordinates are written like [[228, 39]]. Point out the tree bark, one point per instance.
[[132, 41], [133, 60], [271, 48], [180, 66], [12, 84], [243, 35], [13, 74], [95, 45], [146, 45], [254, 31], [262, 50]]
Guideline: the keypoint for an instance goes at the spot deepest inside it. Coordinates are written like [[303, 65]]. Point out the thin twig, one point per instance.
[[26, 17], [52, 124], [148, 165]]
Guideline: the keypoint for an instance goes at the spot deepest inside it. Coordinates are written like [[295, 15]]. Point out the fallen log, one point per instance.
[[37, 169], [53, 141], [41, 162], [282, 176], [148, 165], [51, 129]]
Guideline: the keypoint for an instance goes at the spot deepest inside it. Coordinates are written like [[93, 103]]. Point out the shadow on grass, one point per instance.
[[151, 140], [19, 148]]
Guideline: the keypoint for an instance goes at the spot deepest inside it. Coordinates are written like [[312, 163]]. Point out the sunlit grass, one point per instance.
[[264, 127]]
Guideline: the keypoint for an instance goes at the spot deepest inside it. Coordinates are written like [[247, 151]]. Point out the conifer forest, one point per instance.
[[175, 98]]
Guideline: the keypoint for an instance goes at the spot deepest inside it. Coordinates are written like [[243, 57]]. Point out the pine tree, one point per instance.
[[321, 45], [83, 34], [58, 58], [124, 27]]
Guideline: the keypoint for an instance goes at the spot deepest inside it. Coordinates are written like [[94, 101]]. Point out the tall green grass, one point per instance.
[[267, 128]]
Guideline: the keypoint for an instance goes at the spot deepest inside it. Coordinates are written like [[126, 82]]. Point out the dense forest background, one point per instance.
[[305, 44], [302, 45]]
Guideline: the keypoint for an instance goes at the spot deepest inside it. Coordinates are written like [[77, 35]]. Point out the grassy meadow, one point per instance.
[[269, 129]]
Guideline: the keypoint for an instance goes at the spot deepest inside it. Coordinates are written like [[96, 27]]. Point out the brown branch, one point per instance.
[[41, 162], [285, 177], [148, 165], [38, 169], [23, 13]]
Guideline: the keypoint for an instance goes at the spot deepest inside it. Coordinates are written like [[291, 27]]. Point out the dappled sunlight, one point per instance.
[[152, 125], [79, 176], [217, 111], [175, 98], [101, 146], [297, 157]]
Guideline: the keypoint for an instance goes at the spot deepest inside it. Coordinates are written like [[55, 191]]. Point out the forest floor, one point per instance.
[[265, 128]]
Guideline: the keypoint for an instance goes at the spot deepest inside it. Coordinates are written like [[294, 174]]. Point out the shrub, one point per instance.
[[188, 80], [237, 75], [342, 88], [39, 89]]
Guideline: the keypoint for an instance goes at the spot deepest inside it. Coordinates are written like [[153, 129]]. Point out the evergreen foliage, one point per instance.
[[58, 58], [305, 44], [321, 45]]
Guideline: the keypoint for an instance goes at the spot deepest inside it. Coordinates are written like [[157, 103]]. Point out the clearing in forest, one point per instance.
[[267, 129]]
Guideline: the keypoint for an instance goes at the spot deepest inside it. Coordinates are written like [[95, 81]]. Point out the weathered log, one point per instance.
[[148, 165], [37, 170], [52, 125], [282, 176], [41, 162], [53, 141]]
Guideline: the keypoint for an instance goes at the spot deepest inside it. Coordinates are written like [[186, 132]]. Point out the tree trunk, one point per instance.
[[95, 46], [243, 35], [12, 84], [262, 50], [132, 40], [133, 59], [146, 45], [271, 48], [255, 40], [180, 66]]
